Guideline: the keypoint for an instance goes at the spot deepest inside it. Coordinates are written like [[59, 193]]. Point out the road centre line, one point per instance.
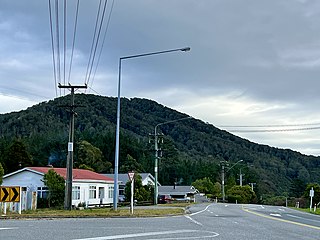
[[143, 235], [280, 219]]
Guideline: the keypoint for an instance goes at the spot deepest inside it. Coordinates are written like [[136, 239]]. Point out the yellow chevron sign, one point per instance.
[[9, 194]]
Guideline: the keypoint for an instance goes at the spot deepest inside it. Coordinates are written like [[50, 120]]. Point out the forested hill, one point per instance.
[[191, 149]]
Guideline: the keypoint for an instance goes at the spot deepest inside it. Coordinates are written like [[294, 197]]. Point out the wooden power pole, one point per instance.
[[68, 189]]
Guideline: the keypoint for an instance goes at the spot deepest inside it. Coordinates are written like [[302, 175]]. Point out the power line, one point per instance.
[[74, 38], [103, 41], [52, 48], [273, 130], [97, 41]]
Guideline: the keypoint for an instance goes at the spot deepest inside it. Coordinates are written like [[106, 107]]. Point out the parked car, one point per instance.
[[164, 199]]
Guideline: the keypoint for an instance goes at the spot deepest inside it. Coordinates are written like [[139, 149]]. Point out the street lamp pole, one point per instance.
[[223, 172], [156, 149], [116, 164]]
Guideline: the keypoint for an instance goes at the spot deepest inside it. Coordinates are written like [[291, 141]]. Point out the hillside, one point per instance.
[[192, 149]]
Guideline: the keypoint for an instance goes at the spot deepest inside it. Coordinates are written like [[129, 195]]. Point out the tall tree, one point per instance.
[[1, 173], [56, 187], [130, 164], [17, 157], [91, 157]]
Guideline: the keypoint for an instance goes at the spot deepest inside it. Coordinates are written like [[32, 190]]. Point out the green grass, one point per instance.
[[317, 212], [98, 212]]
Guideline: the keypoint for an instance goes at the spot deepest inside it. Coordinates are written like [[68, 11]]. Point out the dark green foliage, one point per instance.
[[56, 187], [204, 185], [241, 194], [191, 150], [316, 189], [141, 193], [17, 156], [90, 157], [130, 164], [1, 173]]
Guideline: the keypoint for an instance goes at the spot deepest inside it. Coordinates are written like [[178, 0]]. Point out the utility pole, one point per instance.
[[241, 177], [68, 189], [223, 164], [157, 139]]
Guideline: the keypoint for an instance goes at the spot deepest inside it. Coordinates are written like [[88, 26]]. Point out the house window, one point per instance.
[[92, 192], [75, 192], [43, 192], [111, 189]]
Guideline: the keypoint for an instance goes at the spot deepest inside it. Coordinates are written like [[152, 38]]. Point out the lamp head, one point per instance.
[[186, 49]]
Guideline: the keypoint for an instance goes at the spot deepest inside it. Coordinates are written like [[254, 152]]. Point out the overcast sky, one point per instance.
[[252, 63]]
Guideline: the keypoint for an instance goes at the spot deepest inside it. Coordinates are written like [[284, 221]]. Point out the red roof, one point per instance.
[[77, 174]]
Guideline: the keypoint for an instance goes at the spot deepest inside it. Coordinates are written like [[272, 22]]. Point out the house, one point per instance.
[[178, 192], [123, 178], [87, 186]]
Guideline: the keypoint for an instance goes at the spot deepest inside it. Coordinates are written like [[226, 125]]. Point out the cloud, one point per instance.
[[253, 62]]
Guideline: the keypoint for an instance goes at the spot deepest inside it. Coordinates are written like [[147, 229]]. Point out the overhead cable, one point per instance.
[[103, 41], [74, 39], [52, 49]]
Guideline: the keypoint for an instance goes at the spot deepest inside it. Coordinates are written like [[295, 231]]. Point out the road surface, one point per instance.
[[205, 221]]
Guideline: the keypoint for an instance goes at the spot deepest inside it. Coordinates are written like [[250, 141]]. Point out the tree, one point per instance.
[[241, 194], [56, 187], [17, 156], [316, 189], [204, 185], [130, 164], [141, 193], [1, 173], [91, 157]]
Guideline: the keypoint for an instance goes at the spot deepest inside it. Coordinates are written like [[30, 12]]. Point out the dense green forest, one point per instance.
[[191, 149]]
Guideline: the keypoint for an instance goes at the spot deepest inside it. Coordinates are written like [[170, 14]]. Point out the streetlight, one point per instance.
[[223, 163], [115, 194], [157, 157]]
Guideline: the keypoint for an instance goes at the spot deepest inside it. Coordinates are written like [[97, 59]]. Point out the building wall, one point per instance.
[[32, 181]]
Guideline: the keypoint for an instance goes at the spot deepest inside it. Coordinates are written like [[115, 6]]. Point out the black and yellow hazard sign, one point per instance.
[[9, 194]]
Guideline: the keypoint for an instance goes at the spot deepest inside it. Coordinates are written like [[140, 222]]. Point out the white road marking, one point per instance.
[[200, 211], [8, 228], [281, 209], [275, 214], [192, 220], [214, 234], [133, 235]]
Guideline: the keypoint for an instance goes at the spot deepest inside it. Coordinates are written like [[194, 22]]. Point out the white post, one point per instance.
[[132, 191], [311, 196], [4, 208], [20, 202]]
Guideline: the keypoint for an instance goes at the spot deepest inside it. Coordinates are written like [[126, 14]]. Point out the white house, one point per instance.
[[87, 186]]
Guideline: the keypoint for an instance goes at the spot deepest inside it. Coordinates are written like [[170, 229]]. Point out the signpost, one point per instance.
[[311, 196], [131, 178]]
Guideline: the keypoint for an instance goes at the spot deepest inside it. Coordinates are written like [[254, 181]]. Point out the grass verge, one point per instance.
[[317, 212], [97, 212]]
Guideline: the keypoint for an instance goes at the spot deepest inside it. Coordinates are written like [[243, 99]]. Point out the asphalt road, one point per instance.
[[214, 221]]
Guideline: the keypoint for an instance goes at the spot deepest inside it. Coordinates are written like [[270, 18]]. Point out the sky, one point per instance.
[[253, 68]]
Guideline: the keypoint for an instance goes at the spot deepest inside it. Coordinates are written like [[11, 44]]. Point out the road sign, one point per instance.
[[311, 192], [9, 194], [131, 176]]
